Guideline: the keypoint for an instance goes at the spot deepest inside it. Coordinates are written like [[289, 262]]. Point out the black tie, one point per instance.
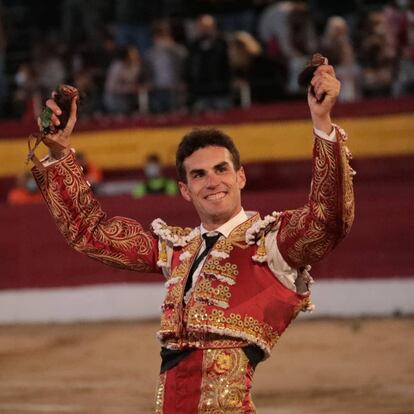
[[209, 240]]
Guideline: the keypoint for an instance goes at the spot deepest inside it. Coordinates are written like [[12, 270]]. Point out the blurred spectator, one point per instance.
[[321, 10], [166, 70], [3, 77], [337, 47], [49, 67], [288, 35], [231, 15], [383, 58], [405, 79], [154, 182], [25, 192], [26, 100], [209, 69], [133, 22], [84, 81], [395, 23], [264, 77], [82, 20], [92, 172], [377, 55], [123, 81], [89, 67], [88, 77]]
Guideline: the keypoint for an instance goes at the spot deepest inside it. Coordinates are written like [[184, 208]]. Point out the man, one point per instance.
[[235, 282], [209, 68], [166, 66]]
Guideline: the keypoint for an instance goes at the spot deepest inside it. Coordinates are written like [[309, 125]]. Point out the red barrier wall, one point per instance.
[[380, 245], [33, 254]]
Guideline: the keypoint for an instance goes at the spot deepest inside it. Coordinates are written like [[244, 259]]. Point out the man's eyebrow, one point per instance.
[[202, 170], [196, 171], [221, 164]]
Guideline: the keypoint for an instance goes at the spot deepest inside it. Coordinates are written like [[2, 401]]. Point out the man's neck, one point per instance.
[[226, 227], [214, 225]]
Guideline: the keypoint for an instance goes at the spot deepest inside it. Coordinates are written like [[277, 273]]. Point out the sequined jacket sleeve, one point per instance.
[[307, 234], [117, 241]]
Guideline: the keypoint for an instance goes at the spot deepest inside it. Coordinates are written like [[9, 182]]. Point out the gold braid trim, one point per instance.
[[348, 207], [120, 242], [159, 395], [200, 318], [218, 296]]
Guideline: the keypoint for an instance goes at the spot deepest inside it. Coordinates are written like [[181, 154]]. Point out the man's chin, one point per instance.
[[219, 215]]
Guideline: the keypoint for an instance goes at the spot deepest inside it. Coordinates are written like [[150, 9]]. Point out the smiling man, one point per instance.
[[234, 283], [210, 176]]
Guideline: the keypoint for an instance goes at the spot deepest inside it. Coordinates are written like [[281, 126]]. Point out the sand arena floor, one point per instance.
[[319, 366]]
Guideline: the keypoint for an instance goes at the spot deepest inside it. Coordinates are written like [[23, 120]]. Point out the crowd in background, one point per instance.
[[160, 56]]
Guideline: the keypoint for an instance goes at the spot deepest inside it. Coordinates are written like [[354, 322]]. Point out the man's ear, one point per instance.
[[241, 178], [184, 190]]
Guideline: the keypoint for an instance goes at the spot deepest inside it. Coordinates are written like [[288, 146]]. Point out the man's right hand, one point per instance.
[[59, 141]]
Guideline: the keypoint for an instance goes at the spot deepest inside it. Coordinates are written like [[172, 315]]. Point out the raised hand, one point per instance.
[[56, 123], [326, 89]]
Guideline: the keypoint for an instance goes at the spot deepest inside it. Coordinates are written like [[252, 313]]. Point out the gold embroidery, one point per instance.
[[324, 181], [163, 256], [260, 333], [117, 241], [116, 260], [218, 296], [226, 382], [348, 197], [170, 322], [223, 245], [183, 268], [174, 295], [238, 234], [261, 250], [204, 340], [178, 231], [309, 233], [159, 396], [226, 272]]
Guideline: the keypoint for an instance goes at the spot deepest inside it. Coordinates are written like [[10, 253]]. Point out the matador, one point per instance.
[[234, 283]]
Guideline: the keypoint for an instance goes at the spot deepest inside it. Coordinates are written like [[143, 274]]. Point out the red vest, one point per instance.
[[236, 300]]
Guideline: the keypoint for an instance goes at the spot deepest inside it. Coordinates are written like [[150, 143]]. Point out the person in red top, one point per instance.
[[234, 283], [25, 192]]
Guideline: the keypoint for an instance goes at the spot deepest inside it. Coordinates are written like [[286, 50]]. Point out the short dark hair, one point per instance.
[[200, 138]]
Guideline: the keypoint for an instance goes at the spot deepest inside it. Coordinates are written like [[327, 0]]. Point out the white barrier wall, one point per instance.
[[341, 298]]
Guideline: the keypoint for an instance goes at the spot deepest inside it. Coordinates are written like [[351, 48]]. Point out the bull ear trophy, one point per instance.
[[306, 75], [63, 99]]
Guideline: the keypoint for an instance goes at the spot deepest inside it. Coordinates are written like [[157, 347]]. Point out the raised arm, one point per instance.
[[117, 241], [307, 234]]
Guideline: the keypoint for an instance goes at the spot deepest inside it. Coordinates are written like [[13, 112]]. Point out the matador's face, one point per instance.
[[213, 185]]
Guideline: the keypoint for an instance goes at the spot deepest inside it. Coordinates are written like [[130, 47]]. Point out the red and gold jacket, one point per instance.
[[238, 298]]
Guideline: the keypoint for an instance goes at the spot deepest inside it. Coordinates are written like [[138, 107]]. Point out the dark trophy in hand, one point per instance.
[[63, 98], [306, 75]]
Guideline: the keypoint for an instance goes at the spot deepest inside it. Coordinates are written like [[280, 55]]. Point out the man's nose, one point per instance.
[[212, 180]]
